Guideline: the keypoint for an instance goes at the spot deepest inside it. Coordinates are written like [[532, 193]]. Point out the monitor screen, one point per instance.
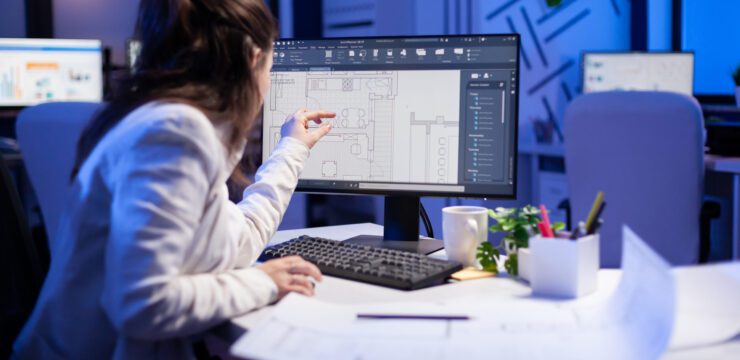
[[432, 116], [33, 71], [638, 71]]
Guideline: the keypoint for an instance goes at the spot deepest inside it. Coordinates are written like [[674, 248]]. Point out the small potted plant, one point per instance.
[[736, 79], [518, 225]]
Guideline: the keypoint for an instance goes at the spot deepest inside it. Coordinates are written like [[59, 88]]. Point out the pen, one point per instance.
[[594, 209], [594, 224], [579, 231], [412, 317], [546, 222], [598, 225]]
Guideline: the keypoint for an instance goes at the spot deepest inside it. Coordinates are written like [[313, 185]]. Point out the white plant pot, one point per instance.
[[737, 96], [524, 263]]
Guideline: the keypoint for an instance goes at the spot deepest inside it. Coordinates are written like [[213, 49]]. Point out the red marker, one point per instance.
[[546, 222], [543, 229]]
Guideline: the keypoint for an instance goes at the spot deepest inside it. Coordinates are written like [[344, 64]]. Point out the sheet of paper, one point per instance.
[[634, 323], [708, 305]]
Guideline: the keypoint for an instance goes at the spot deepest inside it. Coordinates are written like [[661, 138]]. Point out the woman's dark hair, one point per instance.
[[197, 52]]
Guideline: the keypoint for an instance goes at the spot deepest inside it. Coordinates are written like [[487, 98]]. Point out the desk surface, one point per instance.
[[340, 291]]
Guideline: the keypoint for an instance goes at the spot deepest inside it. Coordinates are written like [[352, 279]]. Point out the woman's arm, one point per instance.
[[264, 202], [160, 189]]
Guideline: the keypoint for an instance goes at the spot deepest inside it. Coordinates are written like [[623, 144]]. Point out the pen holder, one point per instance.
[[564, 267]]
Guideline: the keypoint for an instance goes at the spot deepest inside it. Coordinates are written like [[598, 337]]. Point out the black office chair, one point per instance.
[[21, 270]]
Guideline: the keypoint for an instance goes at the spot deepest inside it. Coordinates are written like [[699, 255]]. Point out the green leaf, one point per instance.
[[557, 226], [511, 265], [507, 226], [487, 255], [520, 233]]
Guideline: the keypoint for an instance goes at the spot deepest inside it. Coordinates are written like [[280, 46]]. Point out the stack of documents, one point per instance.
[[636, 322]]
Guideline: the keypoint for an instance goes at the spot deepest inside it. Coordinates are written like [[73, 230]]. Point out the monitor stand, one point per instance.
[[401, 229]]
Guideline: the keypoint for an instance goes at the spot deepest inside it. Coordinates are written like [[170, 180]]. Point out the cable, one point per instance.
[[425, 219]]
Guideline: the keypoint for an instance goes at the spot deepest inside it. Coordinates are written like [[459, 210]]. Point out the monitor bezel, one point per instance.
[[618, 52], [392, 192], [20, 107]]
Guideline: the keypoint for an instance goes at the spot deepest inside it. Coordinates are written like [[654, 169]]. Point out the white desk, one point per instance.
[[729, 165], [342, 291]]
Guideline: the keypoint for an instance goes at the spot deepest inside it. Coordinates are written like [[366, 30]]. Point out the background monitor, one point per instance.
[[33, 71], [416, 116], [709, 29], [638, 71]]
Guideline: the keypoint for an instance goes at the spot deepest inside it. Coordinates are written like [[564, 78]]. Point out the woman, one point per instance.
[[150, 250]]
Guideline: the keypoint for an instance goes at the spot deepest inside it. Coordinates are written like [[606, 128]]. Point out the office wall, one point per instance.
[[13, 23], [552, 41], [111, 21], [367, 17]]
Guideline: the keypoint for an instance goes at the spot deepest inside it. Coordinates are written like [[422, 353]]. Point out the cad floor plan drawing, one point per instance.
[[385, 119]]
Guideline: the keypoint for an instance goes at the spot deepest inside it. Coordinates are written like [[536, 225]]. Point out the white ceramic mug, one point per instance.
[[463, 229]]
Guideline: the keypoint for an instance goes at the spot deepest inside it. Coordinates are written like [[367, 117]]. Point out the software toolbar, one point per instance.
[[398, 52]]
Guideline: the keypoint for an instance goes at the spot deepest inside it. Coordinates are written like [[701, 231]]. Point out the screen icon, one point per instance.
[[327, 53], [351, 53], [439, 52], [459, 51], [421, 52]]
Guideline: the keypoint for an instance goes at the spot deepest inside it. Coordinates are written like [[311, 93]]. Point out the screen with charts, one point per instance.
[[33, 71], [421, 114], [638, 71]]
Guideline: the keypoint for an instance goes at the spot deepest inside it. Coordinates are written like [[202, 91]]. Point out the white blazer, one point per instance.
[[151, 251]]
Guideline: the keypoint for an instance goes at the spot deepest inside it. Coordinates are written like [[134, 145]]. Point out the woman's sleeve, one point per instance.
[[264, 202], [160, 188]]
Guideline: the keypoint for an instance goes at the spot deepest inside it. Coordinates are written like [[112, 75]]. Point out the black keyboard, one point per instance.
[[385, 267]]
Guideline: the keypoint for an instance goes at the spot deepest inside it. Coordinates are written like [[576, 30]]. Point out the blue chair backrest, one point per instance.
[[645, 151], [48, 135]]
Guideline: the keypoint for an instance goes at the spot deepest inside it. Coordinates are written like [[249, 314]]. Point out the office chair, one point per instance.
[[21, 270], [48, 135], [645, 151]]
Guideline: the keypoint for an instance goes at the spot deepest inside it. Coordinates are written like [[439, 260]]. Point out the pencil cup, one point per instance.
[[563, 267]]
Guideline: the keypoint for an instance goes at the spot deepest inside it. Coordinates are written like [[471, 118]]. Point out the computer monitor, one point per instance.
[[33, 71], [638, 71], [416, 116]]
